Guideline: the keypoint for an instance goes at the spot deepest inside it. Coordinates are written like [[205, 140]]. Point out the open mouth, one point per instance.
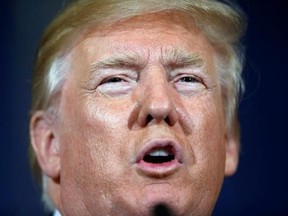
[[159, 157]]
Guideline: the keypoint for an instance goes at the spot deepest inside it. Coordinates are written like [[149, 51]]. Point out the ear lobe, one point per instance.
[[232, 155], [44, 144]]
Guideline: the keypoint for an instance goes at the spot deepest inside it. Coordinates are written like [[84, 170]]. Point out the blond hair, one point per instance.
[[222, 24]]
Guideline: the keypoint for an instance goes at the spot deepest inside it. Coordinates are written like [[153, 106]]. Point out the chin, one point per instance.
[[154, 200], [152, 208]]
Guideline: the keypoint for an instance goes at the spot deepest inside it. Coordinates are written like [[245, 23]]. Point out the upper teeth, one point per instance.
[[158, 152]]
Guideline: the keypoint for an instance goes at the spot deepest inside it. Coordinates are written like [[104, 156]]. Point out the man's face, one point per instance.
[[141, 121]]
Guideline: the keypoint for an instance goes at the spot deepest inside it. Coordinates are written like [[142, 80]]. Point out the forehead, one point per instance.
[[163, 19], [174, 23], [155, 34]]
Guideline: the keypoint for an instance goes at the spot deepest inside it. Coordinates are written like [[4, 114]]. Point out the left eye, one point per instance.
[[188, 79], [188, 84]]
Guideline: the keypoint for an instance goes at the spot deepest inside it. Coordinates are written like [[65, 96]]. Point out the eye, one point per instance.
[[188, 79], [117, 85], [113, 80], [188, 84]]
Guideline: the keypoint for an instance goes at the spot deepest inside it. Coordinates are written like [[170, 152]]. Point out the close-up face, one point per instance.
[[140, 121]]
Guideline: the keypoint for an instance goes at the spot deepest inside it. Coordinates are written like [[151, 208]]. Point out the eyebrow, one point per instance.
[[175, 58], [121, 60]]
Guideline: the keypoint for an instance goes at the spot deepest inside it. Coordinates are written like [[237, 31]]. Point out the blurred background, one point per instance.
[[260, 186]]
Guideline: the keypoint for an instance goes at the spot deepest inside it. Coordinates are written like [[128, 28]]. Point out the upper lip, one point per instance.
[[176, 149]]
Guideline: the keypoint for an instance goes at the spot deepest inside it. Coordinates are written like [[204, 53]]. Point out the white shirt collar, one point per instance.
[[56, 213]]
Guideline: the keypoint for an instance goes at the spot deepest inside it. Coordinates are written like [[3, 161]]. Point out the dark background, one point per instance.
[[260, 185]]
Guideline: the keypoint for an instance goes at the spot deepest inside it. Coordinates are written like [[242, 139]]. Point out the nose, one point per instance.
[[157, 105]]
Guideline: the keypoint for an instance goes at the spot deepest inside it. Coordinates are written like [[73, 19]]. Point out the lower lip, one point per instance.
[[158, 169]]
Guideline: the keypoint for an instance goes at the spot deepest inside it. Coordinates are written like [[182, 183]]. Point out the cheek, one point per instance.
[[91, 134], [207, 139]]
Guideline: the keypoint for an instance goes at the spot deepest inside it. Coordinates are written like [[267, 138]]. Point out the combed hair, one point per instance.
[[223, 24]]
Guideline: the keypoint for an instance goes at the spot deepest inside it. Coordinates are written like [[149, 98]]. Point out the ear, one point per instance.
[[232, 155], [44, 143]]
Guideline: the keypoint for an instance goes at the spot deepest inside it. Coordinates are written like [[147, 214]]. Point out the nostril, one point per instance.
[[149, 119], [167, 120]]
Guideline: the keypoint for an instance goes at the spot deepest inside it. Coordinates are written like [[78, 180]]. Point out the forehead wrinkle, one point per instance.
[[181, 58]]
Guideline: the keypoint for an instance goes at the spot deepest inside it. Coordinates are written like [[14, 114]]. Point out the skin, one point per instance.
[[106, 115]]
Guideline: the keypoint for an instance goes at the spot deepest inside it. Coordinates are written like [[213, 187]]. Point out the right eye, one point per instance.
[[117, 85], [113, 80]]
